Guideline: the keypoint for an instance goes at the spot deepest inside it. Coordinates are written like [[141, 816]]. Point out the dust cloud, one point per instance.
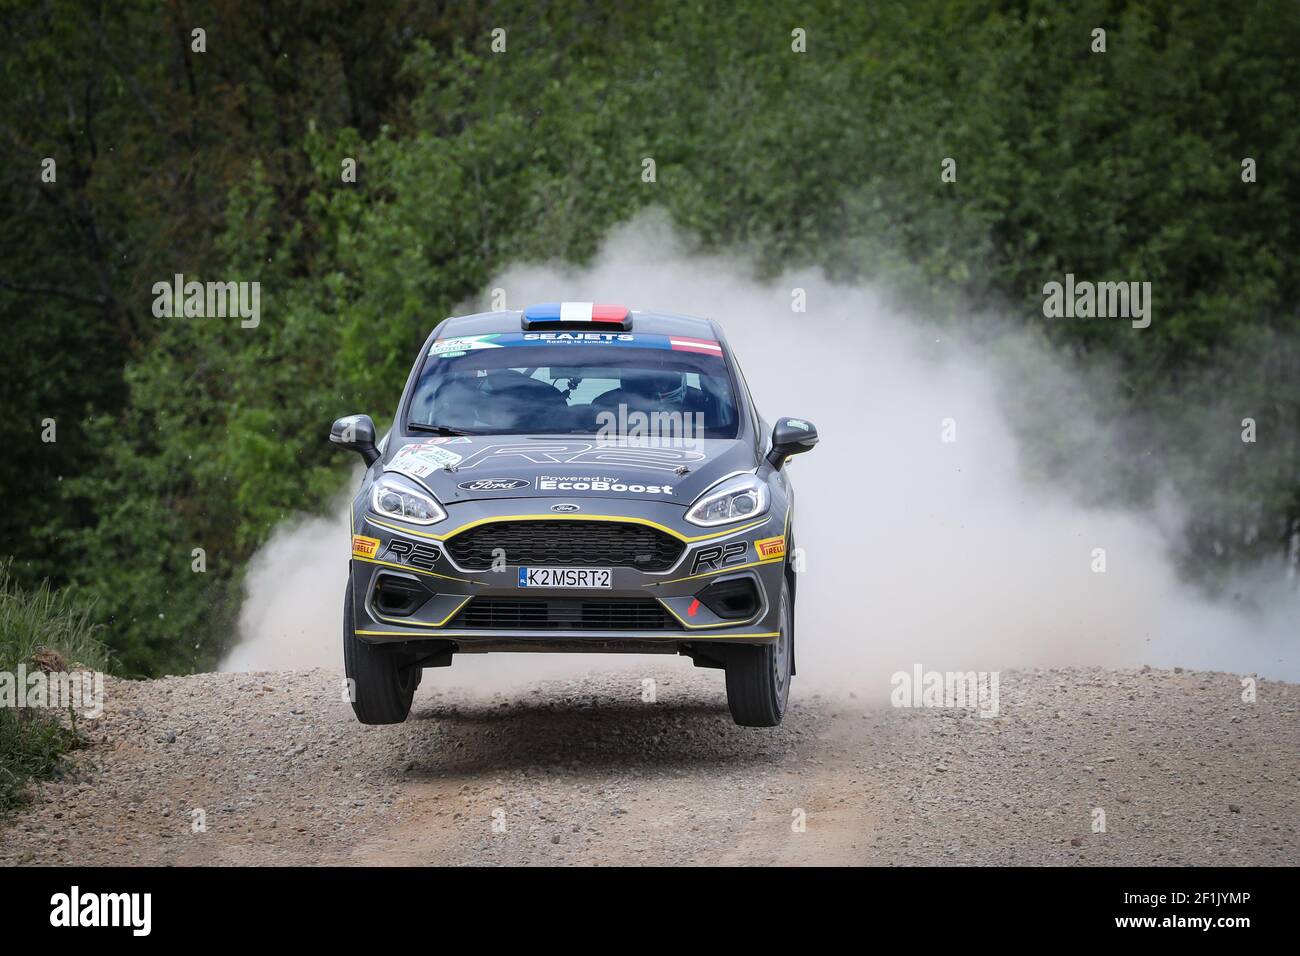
[[292, 615], [916, 549]]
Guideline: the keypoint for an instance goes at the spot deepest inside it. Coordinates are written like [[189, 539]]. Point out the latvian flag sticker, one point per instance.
[[680, 343]]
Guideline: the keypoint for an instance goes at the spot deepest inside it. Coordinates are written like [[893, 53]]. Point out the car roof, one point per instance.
[[653, 323]]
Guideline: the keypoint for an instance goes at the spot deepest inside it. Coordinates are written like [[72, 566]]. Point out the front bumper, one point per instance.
[[723, 587]]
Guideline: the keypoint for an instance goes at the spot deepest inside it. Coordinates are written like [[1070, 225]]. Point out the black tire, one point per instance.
[[758, 678], [383, 683]]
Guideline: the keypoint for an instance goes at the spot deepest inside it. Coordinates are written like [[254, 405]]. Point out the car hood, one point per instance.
[[470, 468]]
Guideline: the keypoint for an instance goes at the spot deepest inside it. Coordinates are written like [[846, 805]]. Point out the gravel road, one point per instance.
[[583, 771]]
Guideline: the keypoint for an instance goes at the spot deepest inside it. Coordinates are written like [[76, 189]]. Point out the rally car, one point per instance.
[[573, 477]]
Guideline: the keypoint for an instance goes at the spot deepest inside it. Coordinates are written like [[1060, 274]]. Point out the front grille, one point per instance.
[[567, 544], [564, 614]]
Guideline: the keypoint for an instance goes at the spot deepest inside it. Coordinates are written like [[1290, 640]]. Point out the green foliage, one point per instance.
[[176, 434], [33, 743]]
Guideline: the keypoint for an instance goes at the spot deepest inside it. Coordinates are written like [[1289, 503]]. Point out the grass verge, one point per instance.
[[40, 629]]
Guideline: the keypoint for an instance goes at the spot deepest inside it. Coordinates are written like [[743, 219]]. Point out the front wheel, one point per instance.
[[758, 678], [381, 680]]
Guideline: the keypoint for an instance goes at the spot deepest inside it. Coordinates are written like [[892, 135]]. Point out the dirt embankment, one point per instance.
[[273, 768]]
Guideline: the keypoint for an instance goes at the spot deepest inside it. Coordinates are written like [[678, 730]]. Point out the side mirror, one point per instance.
[[791, 436], [356, 433]]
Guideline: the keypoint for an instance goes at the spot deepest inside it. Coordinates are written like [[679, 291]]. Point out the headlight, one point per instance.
[[397, 497], [741, 496]]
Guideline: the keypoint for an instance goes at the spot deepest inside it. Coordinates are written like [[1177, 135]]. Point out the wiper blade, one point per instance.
[[436, 429]]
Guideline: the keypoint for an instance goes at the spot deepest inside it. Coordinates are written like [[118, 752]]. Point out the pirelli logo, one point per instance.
[[770, 547], [363, 547]]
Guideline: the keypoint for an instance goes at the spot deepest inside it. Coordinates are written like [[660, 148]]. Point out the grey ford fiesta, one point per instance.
[[573, 477]]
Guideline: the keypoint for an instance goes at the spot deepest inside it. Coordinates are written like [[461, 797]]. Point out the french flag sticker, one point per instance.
[[591, 312], [576, 311], [608, 313]]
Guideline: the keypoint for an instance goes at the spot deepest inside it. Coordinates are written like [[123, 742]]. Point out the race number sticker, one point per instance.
[[423, 458]]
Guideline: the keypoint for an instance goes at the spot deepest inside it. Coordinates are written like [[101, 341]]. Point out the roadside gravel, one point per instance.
[[277, 771]]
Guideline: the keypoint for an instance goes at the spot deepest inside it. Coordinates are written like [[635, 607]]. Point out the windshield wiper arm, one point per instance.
[[436, 429]]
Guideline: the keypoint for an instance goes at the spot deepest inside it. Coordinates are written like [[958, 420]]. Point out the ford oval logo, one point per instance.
[[494, 484], [565, 508]]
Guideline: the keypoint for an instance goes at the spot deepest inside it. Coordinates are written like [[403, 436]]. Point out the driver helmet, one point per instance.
[[666, 387]]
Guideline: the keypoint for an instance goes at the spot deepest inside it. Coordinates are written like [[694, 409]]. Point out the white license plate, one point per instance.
[[564, 577]]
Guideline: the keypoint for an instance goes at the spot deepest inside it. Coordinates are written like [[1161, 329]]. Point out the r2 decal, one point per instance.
[[422, 556], [582, 453], [719, 556]]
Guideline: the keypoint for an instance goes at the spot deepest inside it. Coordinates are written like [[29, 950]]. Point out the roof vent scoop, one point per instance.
[[590, 316]]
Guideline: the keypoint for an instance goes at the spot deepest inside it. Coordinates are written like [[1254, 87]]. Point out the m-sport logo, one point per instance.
[[133, 910], [494, 484]]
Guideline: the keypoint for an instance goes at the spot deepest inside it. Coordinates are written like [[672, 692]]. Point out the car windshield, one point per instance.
[[597, 383]]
